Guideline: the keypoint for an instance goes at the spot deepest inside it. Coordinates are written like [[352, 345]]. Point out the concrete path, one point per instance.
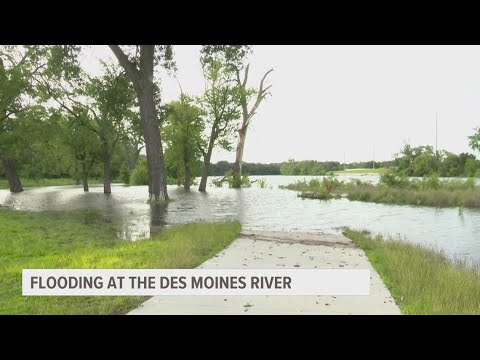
[[282, 250]]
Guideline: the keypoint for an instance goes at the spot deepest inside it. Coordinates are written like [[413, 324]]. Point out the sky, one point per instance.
[[357, 103]]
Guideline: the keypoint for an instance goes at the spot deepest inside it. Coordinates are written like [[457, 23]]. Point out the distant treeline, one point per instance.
[[312, 167], [292, 167], [222, 167]]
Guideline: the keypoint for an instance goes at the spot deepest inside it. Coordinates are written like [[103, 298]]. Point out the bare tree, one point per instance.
[[247, 117]]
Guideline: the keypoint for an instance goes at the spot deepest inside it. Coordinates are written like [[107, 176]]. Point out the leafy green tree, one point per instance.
[[138, 62], [20, 68], [474, 140], [112, 98], [221, 109], [183, 130]]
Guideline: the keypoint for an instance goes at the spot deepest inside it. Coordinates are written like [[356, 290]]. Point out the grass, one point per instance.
[[315, 189], [48, 182], [442, 197], [87, 240], [429, 191], [422, 281]]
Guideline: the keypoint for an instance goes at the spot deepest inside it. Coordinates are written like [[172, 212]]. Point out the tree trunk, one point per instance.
[[237, 169], [203, 181], [12, 176], [107, 171], [187, 176], [157, 186], [85, 181], [206, 165], [142, 80]]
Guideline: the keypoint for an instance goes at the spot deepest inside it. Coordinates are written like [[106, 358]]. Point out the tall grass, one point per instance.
[[315, 189], [428, 191], [86, 240], [422, 281]]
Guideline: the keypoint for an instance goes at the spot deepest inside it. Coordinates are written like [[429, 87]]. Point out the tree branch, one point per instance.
[[129, 66]]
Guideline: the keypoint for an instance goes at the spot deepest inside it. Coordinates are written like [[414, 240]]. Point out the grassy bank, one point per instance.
[[87, 240], [429, 191], [422, 281], [48, 182], [442, 197]]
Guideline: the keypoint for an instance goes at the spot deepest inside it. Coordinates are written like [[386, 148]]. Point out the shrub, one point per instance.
[[262, 183], [125, 174], [140, 174]]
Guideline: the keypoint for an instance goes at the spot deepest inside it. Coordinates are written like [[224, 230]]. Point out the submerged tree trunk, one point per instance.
[[206, 164], [107, 172], [186, 185], [11, 174], [237, 169], [203, 181], [85, 181], [142, 79], [157, 185]]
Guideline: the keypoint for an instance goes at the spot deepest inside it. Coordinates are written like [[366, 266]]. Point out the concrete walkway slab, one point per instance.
[[271, 250]]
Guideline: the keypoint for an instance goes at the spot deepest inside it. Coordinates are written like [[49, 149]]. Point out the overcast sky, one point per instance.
[[328, 101]]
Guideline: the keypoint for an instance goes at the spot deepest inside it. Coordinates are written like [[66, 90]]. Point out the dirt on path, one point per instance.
[[271, 250]]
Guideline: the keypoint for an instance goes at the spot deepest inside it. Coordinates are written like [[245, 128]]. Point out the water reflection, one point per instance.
[[158, 213]]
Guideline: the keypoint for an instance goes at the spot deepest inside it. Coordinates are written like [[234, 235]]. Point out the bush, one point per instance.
[[390, 179], [125, 174], [262, 183], [140, 174]]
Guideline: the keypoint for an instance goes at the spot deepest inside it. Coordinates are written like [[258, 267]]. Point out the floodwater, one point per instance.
[[263, 209]]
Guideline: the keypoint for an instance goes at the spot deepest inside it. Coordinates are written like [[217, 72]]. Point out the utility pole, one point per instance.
[[436, 133], [344, 161], [373, 162]]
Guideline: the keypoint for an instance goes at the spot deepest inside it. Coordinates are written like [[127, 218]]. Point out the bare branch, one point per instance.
[[245, 78]]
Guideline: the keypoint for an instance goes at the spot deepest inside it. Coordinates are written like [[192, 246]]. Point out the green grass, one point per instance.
[[87, 240], [48, 182], [360, 171], [441, 197], [400, 191], [422, 281]]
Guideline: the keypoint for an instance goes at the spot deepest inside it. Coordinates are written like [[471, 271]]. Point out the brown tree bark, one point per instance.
[[142, 80], [107, 171], [85, 181], [186, 185], [206, 163], [11, 174]]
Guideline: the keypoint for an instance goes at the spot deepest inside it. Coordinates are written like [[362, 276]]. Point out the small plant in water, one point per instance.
[[461, 206], [262, 183]]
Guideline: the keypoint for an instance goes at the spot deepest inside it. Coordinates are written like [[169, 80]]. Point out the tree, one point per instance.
[[19, 68], [113, 98], [220, 105], [234, 56], [138, 62], [183, 129], [474, 140]]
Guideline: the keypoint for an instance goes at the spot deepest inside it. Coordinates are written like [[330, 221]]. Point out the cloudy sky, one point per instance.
[[360, 101]]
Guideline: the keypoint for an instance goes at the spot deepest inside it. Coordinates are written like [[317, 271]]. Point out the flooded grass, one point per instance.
[[422, 281], [86, 240], [48, 182], [399, 191]]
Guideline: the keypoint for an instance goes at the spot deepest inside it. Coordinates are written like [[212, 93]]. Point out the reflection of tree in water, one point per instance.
[[158, 213]]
